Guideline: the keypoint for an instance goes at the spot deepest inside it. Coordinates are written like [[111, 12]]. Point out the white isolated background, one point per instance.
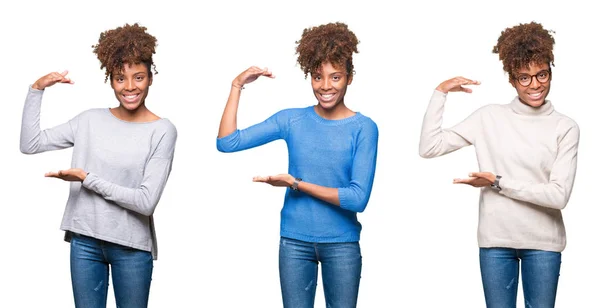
[[218, 231]]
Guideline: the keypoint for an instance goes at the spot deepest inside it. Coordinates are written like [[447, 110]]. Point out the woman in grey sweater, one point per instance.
[[121, 161]]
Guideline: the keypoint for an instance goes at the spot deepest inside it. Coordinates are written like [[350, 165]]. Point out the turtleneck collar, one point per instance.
[[520, 108]]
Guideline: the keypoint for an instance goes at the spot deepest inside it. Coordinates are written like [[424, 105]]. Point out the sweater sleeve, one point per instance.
[[142, 199], [33, 140], [355, 196], [269, 130], [436, 141], [556, 193]]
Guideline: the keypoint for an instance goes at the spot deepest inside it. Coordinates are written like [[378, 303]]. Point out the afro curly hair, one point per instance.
[[332, 42], [128, 44], [521, 45]]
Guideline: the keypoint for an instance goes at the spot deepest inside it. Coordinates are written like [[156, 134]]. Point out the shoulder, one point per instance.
[[566, 124], [291, 115], [293, 112], [367, 122], [166, 126], [366, 125]]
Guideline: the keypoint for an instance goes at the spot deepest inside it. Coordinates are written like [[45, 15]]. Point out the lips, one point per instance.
[[130, 98], [326, 98]]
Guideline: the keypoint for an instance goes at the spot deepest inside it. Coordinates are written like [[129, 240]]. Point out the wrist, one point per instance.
[[496, 183], [295, 183], [37, 87], [439, 88], [237, 85]]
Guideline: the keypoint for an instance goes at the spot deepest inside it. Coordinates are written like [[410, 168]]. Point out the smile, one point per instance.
[[131, 98], [327, 97], [535, 95]]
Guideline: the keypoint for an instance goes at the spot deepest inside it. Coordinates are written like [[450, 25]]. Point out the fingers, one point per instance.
[[457, 84], [54, 174], [62, 77], [51, 79], [463, 181], [263, 179]]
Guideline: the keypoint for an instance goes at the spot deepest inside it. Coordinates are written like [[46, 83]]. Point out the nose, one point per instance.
[[326, 84], [534, 83], [129, 85]]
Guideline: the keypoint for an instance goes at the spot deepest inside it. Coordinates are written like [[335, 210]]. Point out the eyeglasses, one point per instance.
[[541, 76]]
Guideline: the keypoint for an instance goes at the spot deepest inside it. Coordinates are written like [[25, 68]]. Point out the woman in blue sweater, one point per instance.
[[332, 156]]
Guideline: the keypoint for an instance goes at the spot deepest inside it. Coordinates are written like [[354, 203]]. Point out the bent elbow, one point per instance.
[[426, 152], [27, 149], [358, 205]]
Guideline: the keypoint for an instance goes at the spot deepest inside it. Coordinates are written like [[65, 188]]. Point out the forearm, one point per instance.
[[550, 195], [228, 123], [327, 194], [141, 200], [30, 122]]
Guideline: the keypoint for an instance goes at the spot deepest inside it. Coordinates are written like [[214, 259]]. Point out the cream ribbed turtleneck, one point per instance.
[[535, 152]]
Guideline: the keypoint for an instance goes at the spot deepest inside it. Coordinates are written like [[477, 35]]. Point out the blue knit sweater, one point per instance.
[[334, 153]]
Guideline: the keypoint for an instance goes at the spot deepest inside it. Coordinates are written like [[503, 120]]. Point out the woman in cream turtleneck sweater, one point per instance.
[[527, 155]]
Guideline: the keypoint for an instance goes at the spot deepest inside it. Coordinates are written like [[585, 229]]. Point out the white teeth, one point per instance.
[[535, 95], [327, 97]]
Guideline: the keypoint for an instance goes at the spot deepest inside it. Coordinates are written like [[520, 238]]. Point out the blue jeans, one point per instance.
[[341, 264], [131, 270], [500, 275]]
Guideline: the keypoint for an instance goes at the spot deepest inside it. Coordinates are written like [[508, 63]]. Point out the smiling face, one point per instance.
[[131, 85], [329, 85], [536, 92]]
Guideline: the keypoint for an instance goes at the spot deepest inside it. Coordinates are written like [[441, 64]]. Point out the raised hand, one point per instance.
[[477, 179], [70, 175], [457, 84], [51, 79], [280, 180], [250, 75]]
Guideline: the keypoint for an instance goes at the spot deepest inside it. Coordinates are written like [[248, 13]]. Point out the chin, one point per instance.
[[130, 107]]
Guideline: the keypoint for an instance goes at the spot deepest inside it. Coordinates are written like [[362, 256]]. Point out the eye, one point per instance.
[[119, 79], [336, 78], [523, 78], [317, 78], [543, 75], [139, 78]]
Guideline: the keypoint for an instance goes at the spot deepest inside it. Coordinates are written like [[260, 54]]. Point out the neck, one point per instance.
[[340, 111], [140, 114], [519, 107]]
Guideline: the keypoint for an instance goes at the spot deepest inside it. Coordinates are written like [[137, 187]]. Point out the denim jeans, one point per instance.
[[500, 274], [131, 271], [341, 264]]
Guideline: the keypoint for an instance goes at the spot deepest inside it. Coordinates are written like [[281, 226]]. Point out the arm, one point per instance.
[[228, 123], [353, 197], [33, 140], [436, 141], [144, 198], [556, 193]]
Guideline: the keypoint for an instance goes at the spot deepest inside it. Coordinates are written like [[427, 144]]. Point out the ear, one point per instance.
[[350, 77], [150, 81], [512, 82]]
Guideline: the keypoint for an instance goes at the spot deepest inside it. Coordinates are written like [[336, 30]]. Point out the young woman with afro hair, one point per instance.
[[121, 161], [527, 155], [332, 155]]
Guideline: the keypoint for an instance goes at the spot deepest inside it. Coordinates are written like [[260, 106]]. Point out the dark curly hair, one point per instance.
[[128, 44], [521, 45], [332, 42]]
